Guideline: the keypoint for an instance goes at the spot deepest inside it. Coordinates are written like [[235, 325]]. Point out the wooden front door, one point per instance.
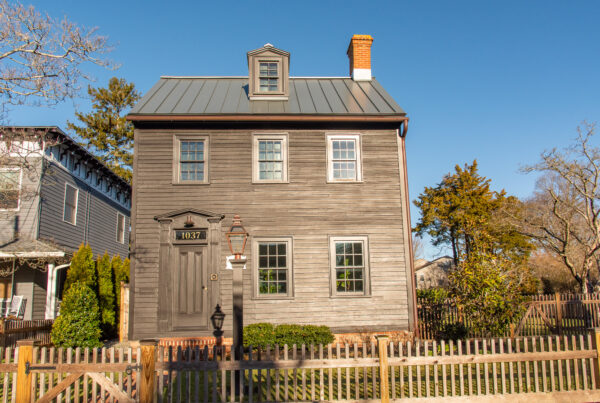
[[190, 297]]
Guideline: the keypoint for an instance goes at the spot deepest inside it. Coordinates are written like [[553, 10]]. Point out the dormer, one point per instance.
[[268, 73]]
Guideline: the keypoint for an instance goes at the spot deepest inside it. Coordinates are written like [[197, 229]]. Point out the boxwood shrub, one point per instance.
[[264, 334]]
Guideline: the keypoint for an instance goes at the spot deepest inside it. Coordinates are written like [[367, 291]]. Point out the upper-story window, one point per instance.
[[190, 164], [270, 158], [10, 188], [268, 73], [344, 158], [120, 228], [70, 206]]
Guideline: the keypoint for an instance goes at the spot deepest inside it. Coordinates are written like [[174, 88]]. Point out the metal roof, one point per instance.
[[229, 96]]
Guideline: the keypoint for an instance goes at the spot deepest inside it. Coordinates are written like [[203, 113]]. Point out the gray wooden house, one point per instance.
[[54, 195], [315, 167]]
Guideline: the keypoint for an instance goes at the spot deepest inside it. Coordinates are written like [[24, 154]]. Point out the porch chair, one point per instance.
[[17, 307]]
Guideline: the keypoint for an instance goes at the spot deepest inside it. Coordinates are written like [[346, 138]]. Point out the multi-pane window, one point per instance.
[[120, 228], [70, 207], [349, 267], [272, 268], [268, 76], [349, 257], [343, 158], [191, 160], [10, 186], [270, 158]]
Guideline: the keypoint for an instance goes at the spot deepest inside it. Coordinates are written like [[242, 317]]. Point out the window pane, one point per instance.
[[281, 261]]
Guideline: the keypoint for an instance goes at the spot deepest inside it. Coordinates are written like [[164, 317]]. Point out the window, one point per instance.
[[70, 209], [268, 76], [350, 271], [191, 160], [343, 158], [273, 267], [10, 188], [120, 228], [270, 158]]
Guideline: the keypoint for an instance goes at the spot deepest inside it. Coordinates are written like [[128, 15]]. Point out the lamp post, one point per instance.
[[236, 239]]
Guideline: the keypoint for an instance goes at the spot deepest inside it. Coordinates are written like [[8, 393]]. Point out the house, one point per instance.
[[315, 167], [54, 195], [433, 274]]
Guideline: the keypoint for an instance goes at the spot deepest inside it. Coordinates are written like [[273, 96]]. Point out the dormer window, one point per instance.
[[268, 73]]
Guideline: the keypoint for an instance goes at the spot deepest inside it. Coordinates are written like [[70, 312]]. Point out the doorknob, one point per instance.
[[204, 287]]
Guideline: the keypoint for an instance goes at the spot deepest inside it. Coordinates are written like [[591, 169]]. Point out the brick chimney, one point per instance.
[[359, 53]]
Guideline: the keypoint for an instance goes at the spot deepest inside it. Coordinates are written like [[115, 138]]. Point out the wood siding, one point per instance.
[[96, 221], [308, 209]]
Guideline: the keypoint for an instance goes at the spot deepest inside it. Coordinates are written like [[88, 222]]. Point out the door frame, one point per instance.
[[168, 223]]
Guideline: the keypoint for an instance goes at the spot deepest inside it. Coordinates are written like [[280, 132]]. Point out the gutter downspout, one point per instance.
[[408, 254], [51, 289]]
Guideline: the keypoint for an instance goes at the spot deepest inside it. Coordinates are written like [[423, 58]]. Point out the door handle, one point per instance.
[[204, 287]]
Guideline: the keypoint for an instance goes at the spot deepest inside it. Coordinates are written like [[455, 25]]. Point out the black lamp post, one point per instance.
[[217, 319], [236, 239]]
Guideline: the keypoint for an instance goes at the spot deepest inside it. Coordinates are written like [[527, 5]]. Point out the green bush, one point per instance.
[[259, 335], [266, 334], [453, 331], [82, 269], [79, 322], [106, 296]]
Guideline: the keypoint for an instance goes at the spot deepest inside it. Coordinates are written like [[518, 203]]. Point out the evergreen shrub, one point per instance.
[[106, 296], [264, 334], [79, 322]]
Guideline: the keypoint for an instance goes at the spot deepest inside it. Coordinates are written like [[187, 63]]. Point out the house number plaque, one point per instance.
[[190, 235]]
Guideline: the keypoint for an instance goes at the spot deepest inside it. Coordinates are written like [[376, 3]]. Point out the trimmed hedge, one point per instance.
[[79, 322], [267, 334]]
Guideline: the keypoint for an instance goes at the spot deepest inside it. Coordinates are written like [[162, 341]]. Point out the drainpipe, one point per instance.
[[51, 289], [409, 257]]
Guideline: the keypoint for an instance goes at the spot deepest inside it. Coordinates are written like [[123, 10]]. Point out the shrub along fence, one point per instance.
[[546, 368], [556, 314]]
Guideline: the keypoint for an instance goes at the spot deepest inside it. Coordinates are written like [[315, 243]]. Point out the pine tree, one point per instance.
[[82, 269], [105, 131], [106, 295]]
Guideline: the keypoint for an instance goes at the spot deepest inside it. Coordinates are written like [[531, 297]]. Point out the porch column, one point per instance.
[[51, 292]]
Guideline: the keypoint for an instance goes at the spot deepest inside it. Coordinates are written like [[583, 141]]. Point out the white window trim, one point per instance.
[[76, 204], [6, 169], [284, 154], [290, 265], [177, 139], [121, 241], [366, 261], [358, 150]]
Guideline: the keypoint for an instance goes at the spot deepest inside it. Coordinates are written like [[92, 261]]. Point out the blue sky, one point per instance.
[[494, 81]]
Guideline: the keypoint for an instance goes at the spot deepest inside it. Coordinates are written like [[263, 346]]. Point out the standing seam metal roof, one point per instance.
[[229, 95]]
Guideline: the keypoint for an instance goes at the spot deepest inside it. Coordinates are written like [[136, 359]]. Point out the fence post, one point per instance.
[[558, 313], [148, 348], [596, 345], [23, 373], [2, 332], [382, 341]]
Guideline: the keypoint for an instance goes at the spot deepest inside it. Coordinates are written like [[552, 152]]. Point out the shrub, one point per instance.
[[106, 296], [259, 335], [453, 331], [82, 269], [264, 334], [79, 322]]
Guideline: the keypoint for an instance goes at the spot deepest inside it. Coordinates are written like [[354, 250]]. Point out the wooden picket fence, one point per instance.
[[556, 314], [550, 368], [13, 330]]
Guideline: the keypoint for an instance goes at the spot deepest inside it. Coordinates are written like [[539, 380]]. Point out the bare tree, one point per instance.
[[418, 247], [40, 57], [563, 215]]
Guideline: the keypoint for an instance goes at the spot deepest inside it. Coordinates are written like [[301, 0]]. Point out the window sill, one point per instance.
[[282, 298], [193, 183], [350, 296], [267, 182]]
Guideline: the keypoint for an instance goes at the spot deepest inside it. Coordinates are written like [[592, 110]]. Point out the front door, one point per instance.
[[190, 297]]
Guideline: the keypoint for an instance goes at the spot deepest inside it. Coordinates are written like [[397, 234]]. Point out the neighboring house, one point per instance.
[[433, 274], [54, 195], [315, 167]]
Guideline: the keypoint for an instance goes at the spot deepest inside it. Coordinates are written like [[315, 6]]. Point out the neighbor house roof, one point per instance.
[[29, 248], [329, 96]]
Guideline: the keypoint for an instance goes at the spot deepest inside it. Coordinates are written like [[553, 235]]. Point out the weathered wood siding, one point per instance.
[[307, 208], [96, 221]]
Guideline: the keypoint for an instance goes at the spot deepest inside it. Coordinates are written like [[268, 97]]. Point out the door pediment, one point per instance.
[[205, 214]]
